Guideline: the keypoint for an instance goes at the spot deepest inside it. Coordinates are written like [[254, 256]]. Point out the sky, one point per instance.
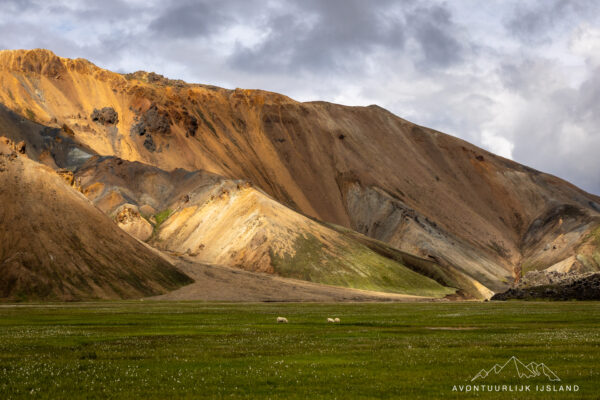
[[518, 78]]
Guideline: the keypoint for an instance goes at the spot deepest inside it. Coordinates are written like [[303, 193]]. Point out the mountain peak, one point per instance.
[[43, 62], [39, 61], [30, 52]]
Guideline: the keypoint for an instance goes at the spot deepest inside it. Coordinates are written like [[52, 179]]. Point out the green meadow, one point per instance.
[[193, 350]]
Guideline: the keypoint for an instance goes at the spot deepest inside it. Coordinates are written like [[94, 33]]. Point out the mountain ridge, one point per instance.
[[363, 168]]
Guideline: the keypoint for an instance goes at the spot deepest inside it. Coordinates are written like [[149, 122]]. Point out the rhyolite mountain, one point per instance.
[[55, 246], [256, 180]]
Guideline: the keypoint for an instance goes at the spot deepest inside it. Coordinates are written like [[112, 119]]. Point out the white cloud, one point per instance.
[[585, 43], [497, 144]]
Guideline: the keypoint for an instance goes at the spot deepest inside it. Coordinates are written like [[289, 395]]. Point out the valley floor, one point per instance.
[[156, 349], [220, 283]]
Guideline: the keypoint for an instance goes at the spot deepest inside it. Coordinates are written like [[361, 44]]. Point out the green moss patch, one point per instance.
[[351, 264], [160, 218]]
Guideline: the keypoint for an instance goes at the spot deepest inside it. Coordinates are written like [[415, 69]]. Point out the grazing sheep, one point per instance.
[[337, 320], [282, 320], [330, 320]]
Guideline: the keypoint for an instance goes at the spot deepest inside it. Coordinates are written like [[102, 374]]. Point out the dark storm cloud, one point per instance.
[[16, 5], [557, 130], [116, 9], [534, 22], [434, 30], [299, 35], [189, 20], [109, 11], [330, 35], [525, 78], [586, 106], [340, 35]]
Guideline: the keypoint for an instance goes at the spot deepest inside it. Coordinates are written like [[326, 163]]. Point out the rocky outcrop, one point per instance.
[[191, 125], [152, 121], [188, 121], [129, 219], [52, 146], [69, 177], [8, 146], [565, 287], [105, 116], [155, 79], [149, 143]]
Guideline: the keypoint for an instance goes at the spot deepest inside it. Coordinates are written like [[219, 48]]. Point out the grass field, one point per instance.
[[201, 350]]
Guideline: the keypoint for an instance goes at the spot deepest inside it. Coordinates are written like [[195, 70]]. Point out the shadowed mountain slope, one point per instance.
[[55, 245]]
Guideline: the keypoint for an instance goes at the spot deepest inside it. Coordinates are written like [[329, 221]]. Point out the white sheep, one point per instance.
[[330, 320], [336, 320], [282, 320]]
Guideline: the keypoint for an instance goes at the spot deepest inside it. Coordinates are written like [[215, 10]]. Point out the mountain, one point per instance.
[[55, 245], [213, 220], [480, 219], [515, 368]]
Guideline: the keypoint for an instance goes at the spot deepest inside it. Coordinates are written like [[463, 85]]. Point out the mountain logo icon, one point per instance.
[[531, 370]]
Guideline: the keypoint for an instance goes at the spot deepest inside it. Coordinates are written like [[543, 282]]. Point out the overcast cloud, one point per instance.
[[519, 78]]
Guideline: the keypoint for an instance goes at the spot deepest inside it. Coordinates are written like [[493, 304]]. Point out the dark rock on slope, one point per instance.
[[105, 116], [152, 121], [586, 287]]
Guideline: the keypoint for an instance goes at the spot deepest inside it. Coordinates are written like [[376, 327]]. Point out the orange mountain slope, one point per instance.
[[362, 168]]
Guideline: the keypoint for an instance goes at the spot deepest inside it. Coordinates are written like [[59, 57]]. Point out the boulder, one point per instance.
[[105, 116], [152, 121], [129, 219], [149, 143]]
